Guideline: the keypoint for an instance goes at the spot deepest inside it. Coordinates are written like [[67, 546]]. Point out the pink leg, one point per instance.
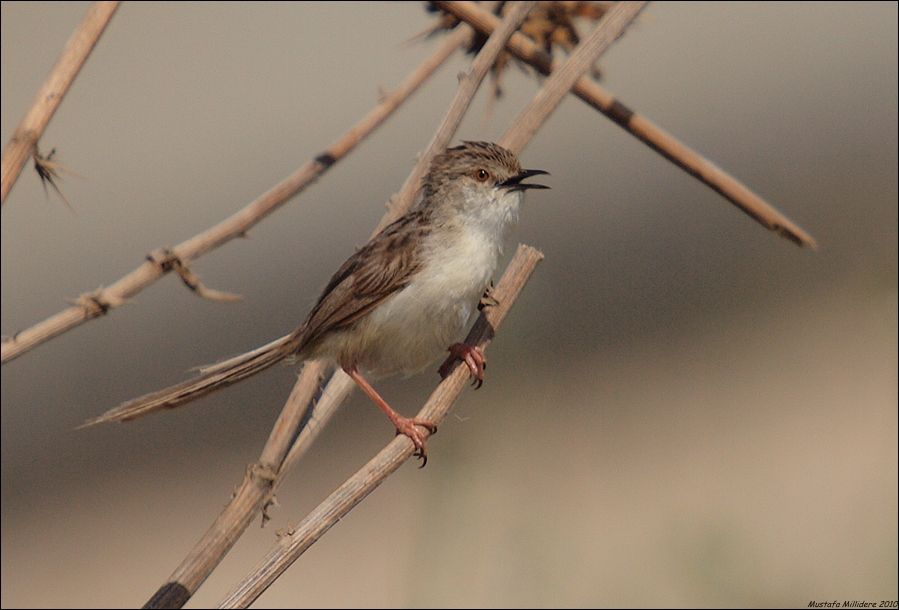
[[472, 356], [404, 425]]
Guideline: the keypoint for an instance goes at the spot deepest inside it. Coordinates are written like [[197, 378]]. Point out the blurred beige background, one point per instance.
[[681, 410]]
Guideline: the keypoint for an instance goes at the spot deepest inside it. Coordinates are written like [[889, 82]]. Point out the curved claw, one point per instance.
[[408, 426], [472, 356], [422, 455]]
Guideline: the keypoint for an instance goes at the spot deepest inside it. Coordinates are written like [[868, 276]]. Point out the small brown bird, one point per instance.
[[401, 299]]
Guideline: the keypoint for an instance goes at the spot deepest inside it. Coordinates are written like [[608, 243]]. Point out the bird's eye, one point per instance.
[[482, 175]]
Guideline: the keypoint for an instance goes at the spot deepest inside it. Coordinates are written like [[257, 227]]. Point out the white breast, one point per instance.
[[415, 326]]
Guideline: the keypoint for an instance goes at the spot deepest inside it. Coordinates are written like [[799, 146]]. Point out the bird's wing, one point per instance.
[[383, 266]]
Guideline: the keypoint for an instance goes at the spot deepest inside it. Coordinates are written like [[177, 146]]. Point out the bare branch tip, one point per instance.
[[167, 260]]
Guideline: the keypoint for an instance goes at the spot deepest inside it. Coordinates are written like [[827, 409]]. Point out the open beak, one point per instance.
[[514, 183]]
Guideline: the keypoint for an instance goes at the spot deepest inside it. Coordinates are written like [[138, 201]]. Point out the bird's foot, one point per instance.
[[409, 426], [472, 356]]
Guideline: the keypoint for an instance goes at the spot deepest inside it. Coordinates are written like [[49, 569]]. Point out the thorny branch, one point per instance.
[[23, 143], [238, 223]]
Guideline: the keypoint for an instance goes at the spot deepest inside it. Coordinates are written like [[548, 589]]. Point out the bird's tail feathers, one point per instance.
[[211, 378]]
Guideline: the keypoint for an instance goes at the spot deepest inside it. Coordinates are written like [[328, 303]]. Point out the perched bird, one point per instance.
[[397, 303]]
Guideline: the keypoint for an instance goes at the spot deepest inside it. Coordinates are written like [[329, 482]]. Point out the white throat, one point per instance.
[[491, 219], [458, 262]]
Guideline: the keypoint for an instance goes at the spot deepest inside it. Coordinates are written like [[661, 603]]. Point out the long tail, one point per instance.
[[210, 379]]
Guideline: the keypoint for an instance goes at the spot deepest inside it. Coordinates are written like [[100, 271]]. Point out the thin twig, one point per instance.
[[645, 130], [255, 492], [238, 223], [343, 500], [469, 81], [261, 481], [338, 388], [24, 140], [293, 544], [557, 86]]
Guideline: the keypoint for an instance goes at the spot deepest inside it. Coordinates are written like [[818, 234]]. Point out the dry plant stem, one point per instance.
[[338, 388], [24, 140], [96, 304], [469, 81], [293, 544], [253, 493], [648, 132], [260, 482], [557, 86], [256, 491]]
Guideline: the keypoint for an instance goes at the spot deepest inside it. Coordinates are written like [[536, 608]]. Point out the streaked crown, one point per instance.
[[481, 162]]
